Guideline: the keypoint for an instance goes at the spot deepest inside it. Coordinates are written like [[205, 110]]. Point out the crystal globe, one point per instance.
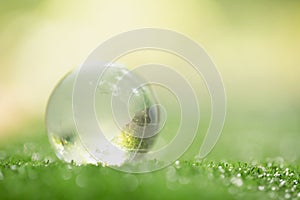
[[126, 111]]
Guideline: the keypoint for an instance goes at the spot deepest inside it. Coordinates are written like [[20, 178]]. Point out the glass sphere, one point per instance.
[[126, 111]]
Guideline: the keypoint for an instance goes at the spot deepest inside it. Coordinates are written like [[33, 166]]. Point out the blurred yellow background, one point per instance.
[[255, 45]]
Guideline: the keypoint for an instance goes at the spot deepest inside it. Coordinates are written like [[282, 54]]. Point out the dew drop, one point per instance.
[[282, 183], [261, 187], [13, 167], [177, 164], [221, 169], [237, 181], [277, 174], [287, 195]]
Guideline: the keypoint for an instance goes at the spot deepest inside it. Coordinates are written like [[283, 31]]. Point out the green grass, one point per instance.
[[30, 170]]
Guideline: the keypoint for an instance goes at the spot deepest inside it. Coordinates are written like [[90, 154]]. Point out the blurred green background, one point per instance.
[[255, 45]]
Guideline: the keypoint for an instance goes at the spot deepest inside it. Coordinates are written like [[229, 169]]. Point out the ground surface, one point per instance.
[[30, 170]]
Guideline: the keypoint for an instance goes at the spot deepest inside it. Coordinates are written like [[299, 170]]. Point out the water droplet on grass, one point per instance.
[[221, 169], [287, 195], [13, 167], [282, 183], [177, 164], [277, 174], [237, 181], [261, 188]]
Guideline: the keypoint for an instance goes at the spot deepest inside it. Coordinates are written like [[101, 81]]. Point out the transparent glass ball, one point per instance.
[[132, 130]]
